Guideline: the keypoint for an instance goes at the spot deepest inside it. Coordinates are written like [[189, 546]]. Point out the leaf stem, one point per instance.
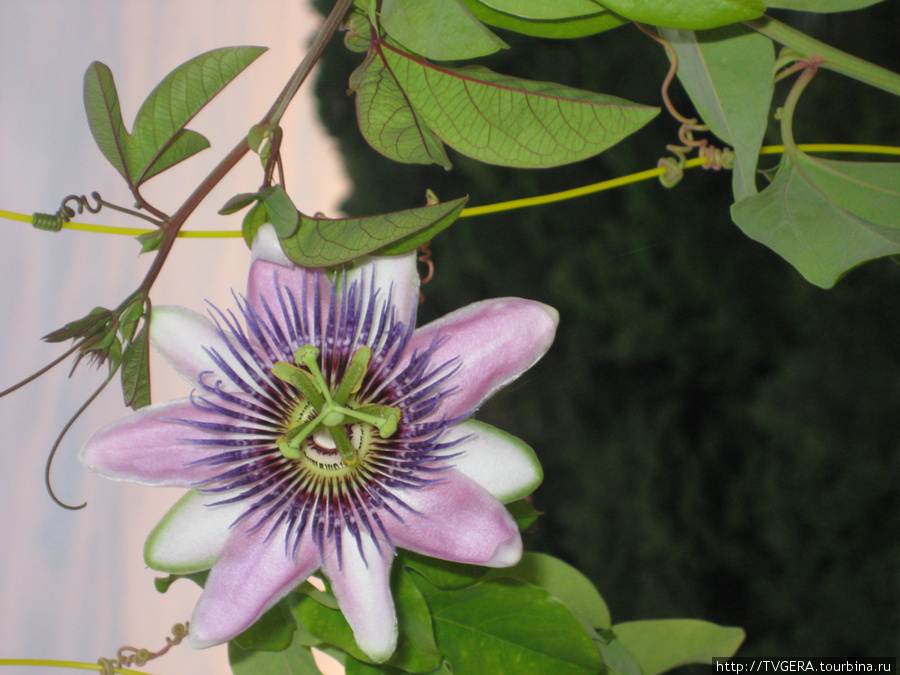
[[828, 57]]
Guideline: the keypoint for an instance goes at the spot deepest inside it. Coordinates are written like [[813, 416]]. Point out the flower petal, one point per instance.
[[251, 575], [397, 275], [499, 462], [192, 534], [180, 335], [266, 246], [457, 520], [496, 341], [363, 591], [150, 446]]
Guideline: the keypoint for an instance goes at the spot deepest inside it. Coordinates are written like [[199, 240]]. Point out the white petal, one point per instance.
[[501, 463], [267, 247], [191, 535]]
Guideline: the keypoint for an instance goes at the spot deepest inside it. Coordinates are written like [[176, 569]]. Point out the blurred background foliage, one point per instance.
[[721, 439]]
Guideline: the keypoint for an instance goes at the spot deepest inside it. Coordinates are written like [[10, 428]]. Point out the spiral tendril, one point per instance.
[[53, 222], [132, 656]]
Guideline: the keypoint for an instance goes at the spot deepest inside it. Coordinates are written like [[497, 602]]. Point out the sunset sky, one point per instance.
[[74, 583]]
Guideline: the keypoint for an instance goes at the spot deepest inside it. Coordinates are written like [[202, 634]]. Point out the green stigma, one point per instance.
[[330, 407]]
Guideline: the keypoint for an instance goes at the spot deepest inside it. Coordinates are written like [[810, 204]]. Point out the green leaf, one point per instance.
[[323, 242], [510, 121], [101, 103], [417, 651], [174, 102], [504, 626], [442, 573], [687, 14], [354, 667], [281, 210], [443, 30], [297, 659], [136, 371], [824, 231], [387, 120], [614, 654], [272, 632], [541, 10], [328, 625], [821, 6], [664, 644], [159, 139], [727, 72], [255, 218], [564, 26], [563, 582], [238, 202]]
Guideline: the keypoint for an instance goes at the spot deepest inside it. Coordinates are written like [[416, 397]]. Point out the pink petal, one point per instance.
[[251, 575], [459, 521], [495, 340], [363, 592], [148, 447], [266, 278]]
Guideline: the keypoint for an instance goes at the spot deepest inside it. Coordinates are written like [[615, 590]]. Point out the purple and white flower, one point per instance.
[[325, 430]]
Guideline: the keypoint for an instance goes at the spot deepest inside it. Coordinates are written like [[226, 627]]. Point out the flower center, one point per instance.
[[315, 434]]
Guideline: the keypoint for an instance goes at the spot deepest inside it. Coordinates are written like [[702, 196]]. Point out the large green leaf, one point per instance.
[[563, 582], [821, 5], [297, 659], [687, 14], [494, 118], [816, 215], [543, 10], [443, 30], [727, 72], [388, 121], [159, 140], [663, 644], [323, 242], [564, 25], [504, 626]]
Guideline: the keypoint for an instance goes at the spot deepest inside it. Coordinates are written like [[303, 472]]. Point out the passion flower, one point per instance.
[[325, 430]]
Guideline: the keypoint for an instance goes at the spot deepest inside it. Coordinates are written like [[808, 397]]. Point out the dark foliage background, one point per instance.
[[721, 440]]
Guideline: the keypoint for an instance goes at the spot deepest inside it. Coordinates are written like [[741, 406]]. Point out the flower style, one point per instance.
[[325, 432]]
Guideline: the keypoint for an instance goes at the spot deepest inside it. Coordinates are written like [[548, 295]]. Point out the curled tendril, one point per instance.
[[425, 259], [53, 222], [716, 158], [132, 656]]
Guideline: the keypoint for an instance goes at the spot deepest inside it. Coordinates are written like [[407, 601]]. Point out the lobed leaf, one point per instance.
[[727, 72], [174, 102], [503, 626], [491, 117], [823, 229], [388, 121], [443, 30], [564, 25], [323, 242], [663, 644], [687, 14]]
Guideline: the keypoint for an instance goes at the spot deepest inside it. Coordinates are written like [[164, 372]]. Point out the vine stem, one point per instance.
[[276, 112], [827, 56], [53, 663]]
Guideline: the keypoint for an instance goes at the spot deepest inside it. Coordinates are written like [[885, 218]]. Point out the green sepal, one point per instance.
[[254, 219], [162, 583], [151, 241], [97, 318], [136, 371]]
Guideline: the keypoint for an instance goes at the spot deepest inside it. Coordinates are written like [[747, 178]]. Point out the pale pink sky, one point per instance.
[[74, 585]]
